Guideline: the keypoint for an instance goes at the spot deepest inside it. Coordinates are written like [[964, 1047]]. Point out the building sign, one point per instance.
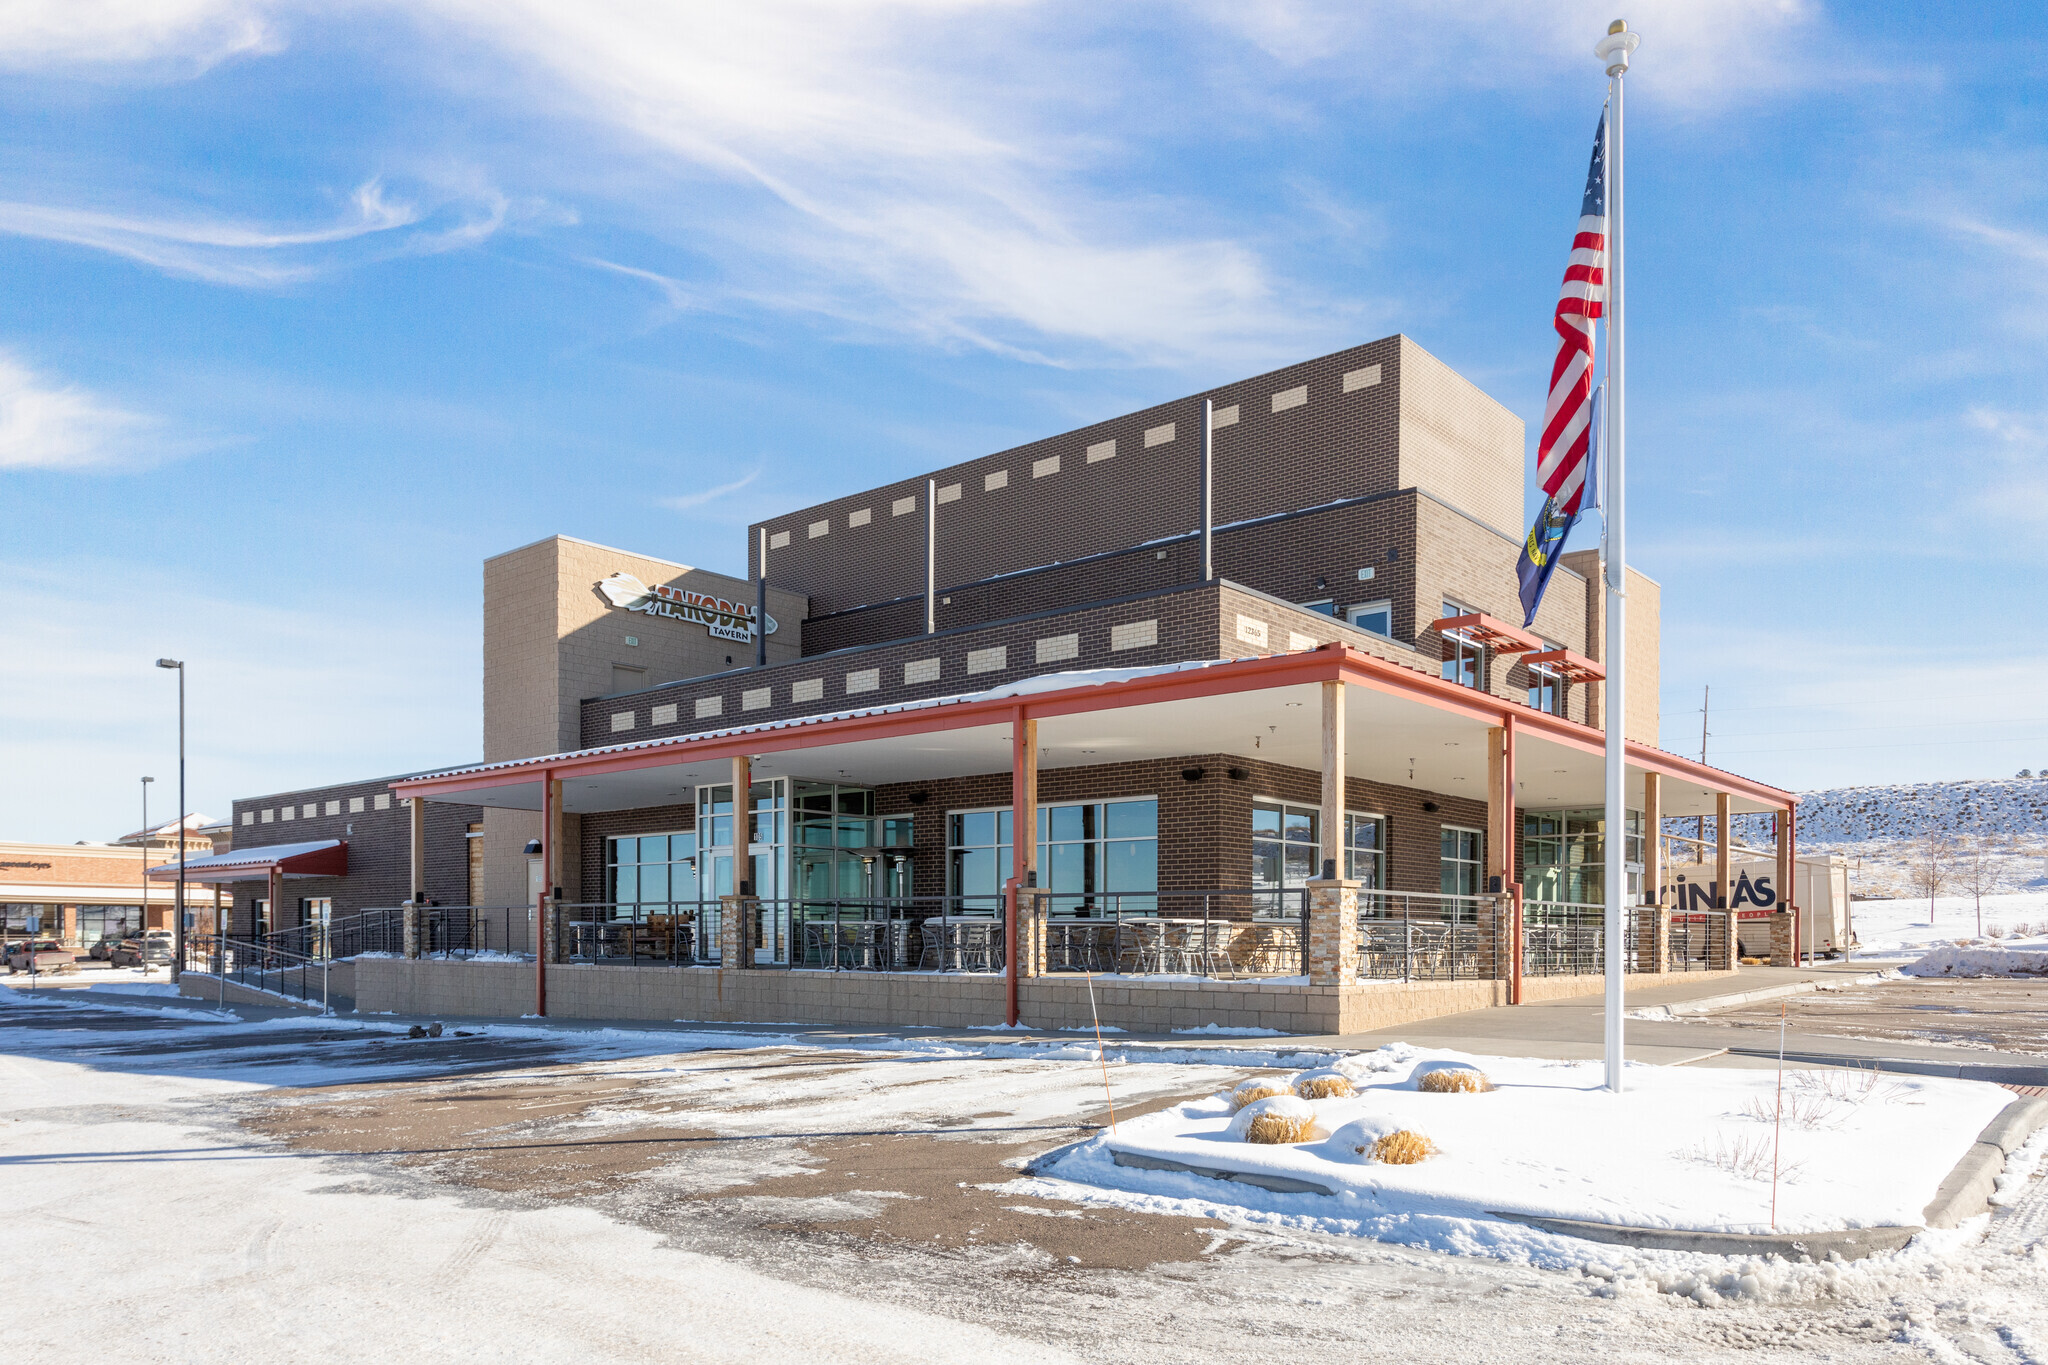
[[38, 867], [1692, 888], [726, 620]]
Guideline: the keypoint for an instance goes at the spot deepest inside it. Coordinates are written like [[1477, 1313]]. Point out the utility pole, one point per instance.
[[1699, 822]]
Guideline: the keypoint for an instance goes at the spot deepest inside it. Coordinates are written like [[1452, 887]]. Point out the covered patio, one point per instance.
[[1331, 712]]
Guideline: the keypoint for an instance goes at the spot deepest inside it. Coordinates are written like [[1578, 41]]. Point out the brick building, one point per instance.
[[1215, 650]]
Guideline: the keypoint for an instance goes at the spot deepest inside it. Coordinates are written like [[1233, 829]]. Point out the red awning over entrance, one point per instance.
[[318, 858]]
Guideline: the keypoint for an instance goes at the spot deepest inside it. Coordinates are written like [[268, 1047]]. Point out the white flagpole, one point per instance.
[[1614, 51]]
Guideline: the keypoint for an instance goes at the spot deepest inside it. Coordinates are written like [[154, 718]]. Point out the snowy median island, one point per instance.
[[1505, 1139]]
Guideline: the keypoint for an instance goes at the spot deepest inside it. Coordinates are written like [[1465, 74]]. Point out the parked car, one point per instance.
[[104, 949], [152, 949], [42, 955]]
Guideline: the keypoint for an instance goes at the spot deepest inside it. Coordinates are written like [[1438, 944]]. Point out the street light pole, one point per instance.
[[143, 928], [178, 928]]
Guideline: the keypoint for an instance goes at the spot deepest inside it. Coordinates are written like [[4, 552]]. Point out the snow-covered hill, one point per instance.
[[1994, 806]]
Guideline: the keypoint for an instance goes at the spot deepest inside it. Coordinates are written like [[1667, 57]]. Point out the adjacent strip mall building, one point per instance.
[[1280, 662]]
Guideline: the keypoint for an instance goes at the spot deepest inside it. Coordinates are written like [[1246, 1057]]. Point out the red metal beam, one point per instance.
[[1331, 661], [1567, 665], [1480, 629]]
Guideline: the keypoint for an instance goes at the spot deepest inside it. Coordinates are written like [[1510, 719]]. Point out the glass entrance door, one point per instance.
[[751, 847]]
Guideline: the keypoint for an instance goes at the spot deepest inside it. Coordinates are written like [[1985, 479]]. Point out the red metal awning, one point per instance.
[[316, 858], [1567, 665], [1480, 629]]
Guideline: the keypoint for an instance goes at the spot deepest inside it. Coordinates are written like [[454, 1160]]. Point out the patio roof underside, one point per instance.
[[1390, 738]]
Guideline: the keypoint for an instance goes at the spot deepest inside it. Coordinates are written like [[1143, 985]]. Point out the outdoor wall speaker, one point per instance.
[[919, 798], [1430, 806], [1192, 774], [533, 848], [1238, 774]]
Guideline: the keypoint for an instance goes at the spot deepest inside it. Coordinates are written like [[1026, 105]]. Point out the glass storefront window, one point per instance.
[[1365, 850], [651, 870], [1564, 858], [1095, 857]]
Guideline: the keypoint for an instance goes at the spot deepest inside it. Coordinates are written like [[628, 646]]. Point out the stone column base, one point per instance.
[[409, 931], [1784, 952], [1032, 905], [736, 936], [1332, 932]]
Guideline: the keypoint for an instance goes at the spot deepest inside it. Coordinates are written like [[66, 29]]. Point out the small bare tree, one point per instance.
[[1978, 863], [1933, 867]]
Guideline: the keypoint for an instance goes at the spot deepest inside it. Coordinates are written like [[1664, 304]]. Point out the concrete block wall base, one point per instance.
[[199, 986], [923, 1000]]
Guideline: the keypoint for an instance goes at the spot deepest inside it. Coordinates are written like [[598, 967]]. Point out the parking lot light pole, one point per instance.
[[178, 942], [144, 911]]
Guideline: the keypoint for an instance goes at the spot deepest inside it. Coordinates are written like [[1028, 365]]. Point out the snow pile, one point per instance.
[[1904, 928], [1980, 958], [1689, 1149]]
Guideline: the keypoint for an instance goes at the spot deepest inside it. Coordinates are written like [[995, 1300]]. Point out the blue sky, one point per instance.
[[309, 308]]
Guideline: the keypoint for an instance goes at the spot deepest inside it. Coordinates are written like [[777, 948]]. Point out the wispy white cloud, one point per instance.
[[48, 424], [252, 255], [688, 500], [671, 289], [196, 33]]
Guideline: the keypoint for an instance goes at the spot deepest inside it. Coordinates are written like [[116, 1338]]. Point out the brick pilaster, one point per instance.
[[1783, 950]]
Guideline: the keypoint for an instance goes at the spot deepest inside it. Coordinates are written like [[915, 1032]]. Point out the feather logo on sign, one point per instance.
[[726, 620]]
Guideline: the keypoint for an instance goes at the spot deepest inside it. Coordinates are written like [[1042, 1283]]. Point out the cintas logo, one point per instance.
[[725, 620]]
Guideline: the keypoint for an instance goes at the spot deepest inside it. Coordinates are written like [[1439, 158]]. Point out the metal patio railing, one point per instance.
[[260, 965]]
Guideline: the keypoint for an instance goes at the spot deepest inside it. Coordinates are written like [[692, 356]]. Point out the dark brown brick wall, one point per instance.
[[1198, 622], [379, 851], [1336, 445]]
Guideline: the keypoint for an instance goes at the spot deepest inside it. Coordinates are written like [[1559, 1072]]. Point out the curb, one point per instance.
[[1968, 1189], [1851, 1244], [1708, 1004], [1993, 1072], [1964, 1194]]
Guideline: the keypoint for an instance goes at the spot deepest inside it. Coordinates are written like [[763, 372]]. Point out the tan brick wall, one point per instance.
[[551, 639], [1645, 633], [1457, 443]]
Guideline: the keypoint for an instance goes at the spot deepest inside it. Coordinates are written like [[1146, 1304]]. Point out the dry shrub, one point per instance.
[[1276, 1127], [1325, 1085], [1404, 1146], [1751, 1158], [1460, 1082], [1251, 1092]]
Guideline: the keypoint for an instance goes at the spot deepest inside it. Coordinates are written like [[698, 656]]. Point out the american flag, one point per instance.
[[1561, 454]]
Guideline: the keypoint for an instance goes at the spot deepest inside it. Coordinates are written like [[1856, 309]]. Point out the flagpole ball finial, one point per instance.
[[1615, 48]]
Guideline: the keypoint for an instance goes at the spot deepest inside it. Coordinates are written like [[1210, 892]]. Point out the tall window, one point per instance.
[[1108, 846], [1564, 855], [651, 870], [1546, 689], [1286, 842], [1094, 856], [978, 846], [1463, 858], [1464, 659], [1374, 618], [1365, 850]]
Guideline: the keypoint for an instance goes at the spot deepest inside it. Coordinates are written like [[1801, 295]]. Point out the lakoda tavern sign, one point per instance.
[[724, 619]]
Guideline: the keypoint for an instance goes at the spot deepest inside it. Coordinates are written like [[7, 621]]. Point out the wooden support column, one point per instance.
[[738, 929], [545, 914], [1721, 841], [1500, 811], [1332, 897], [1653, 838], [1787, 870], [274, 890], [1333, 781], [1020, 928]]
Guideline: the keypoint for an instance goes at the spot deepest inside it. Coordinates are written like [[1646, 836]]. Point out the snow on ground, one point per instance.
[[1685, 1148], [1903, 929]]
